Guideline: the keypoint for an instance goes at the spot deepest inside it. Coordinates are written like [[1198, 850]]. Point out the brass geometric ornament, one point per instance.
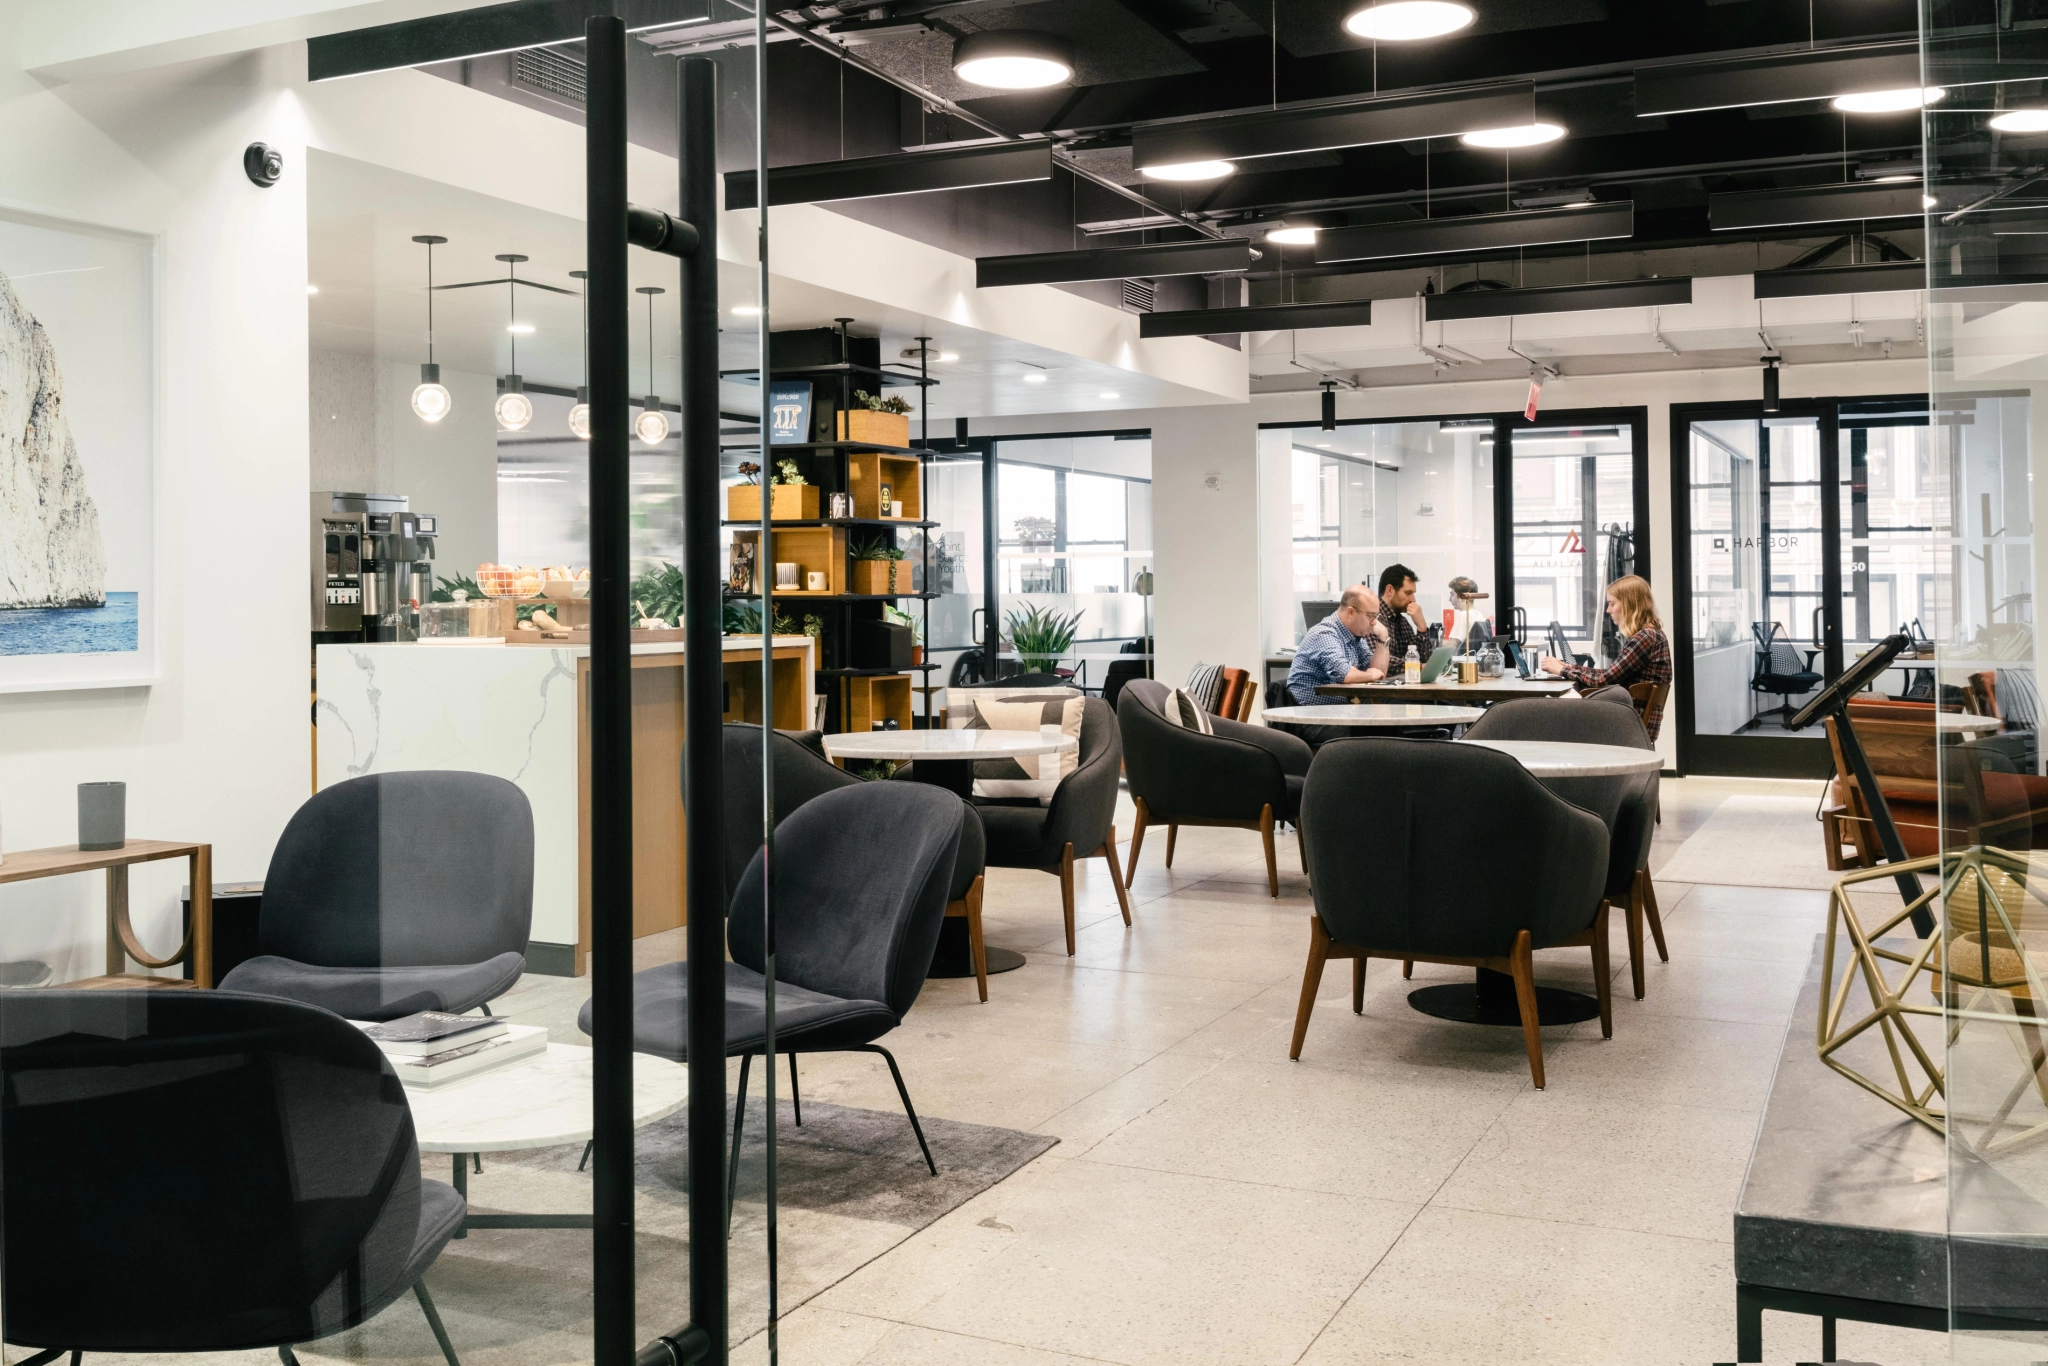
[[1973, 973]]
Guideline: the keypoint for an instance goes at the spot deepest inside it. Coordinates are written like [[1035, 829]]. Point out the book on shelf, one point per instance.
[[431, 1031]]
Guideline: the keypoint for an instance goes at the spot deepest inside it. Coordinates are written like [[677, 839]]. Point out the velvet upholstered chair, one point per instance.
[[1389, 822], [801, 773], [396, 893], [203, 1171], [1246, 777], [1078, 822]]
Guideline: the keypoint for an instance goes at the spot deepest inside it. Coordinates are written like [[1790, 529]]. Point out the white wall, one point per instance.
[[218, 750]]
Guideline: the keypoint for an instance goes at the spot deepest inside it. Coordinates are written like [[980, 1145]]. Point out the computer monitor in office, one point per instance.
[[1313, 612]]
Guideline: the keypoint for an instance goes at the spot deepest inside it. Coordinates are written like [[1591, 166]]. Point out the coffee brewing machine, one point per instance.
[[373, 565]]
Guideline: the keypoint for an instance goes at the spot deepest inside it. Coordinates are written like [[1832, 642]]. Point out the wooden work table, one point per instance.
[[521, 712], [122, 944]]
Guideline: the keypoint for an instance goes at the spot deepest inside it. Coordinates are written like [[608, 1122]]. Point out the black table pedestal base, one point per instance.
[[955, 958], [1491, 1000]]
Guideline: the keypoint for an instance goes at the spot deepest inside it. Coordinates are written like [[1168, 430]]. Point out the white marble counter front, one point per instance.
[[506, 710]]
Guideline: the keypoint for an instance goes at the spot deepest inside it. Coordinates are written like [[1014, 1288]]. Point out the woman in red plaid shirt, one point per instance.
[[1645, 655]]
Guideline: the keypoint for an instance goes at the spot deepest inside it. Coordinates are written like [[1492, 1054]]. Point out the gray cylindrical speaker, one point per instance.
[[102, 815]]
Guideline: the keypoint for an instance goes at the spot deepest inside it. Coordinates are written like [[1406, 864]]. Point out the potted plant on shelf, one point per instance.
[[896, 614], [1040, 637], [878, 567], [875, 420], [790, 497]]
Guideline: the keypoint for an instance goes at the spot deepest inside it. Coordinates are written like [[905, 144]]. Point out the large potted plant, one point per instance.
[[1040, 637], [875, 420], [790, 498], [879, 567]]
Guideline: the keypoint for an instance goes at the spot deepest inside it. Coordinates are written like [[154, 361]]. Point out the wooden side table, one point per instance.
[[122, 944]]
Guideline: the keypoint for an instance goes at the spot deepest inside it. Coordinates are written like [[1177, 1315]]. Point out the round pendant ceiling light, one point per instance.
[[652, 424], [1406, 21], [1522, 135], [514, 408], [579, 416], [1889, 101], [2022, 121], [430, 401], [1189, 170], [1292, 237], [1013, 59]]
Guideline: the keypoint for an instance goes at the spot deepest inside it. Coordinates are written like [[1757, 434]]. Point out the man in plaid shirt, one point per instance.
[[1645, 655]]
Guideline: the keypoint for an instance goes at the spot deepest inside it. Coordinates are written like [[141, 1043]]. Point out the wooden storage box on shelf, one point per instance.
[[814, 549], [881, 576], [864, 701], [786, 503], [868, 471], [876, 429]]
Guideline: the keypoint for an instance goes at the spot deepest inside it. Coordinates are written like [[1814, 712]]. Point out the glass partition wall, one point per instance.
[[1974, 598]]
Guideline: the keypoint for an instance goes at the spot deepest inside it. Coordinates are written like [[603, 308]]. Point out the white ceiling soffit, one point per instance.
[[1725, 325], [70, 40]]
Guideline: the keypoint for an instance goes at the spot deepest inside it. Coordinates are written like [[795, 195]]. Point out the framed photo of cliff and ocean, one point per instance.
[[78, 439]]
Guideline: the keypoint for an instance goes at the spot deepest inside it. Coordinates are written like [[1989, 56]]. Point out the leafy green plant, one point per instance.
[[461, 583], [877, 548], [659, 593], [1039, 636], [903, 618], [875, 403], [742, 617], [788, 472]]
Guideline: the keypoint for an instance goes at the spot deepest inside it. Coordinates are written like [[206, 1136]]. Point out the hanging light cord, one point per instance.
[[650, 346], [430, 303], [512, 307]]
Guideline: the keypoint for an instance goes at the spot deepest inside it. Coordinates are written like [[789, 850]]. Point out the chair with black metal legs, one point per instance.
[[861, 876], [196, 1171], [1778, 670]]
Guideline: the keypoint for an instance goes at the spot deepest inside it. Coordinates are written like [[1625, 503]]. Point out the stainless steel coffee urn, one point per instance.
[[373, 564]]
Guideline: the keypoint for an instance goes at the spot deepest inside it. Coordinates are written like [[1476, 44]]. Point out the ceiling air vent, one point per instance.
[[1141, 296], [551, 72]]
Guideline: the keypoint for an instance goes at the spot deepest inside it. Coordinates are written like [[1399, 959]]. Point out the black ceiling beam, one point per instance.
[[899, 173], [1209, 322], [1816, 74], [1515, 303], [1227, 256], [1475, 232], [1843, 203], [481, 32], [1364, 124], [1873, 277]]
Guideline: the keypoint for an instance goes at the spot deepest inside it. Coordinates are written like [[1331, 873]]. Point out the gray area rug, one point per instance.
[[852, 1185]]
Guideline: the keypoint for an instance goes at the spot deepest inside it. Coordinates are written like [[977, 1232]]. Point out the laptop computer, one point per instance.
[[1525, 664], [1434, 665]]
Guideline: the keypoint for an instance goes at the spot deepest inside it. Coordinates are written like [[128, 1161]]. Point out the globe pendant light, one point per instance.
[[430, 401], [652, 424], [579, 416], [514, 409]]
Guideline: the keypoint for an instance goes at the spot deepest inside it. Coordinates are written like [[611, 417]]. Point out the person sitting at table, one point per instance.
[[1347, 646], [1645, 655], [1400, 615]]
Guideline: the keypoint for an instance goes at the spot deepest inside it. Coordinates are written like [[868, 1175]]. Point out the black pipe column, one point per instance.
[[703, 707], [611, 715]]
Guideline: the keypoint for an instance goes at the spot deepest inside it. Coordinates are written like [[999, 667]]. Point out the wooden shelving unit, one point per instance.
[[859, 469]]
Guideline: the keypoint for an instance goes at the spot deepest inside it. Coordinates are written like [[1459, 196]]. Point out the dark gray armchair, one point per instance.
[[860, 891], [1631, 822], [802, 773], [1080, 822], [1386, 818], [396, 893], [201, 1171], [1247, 777]]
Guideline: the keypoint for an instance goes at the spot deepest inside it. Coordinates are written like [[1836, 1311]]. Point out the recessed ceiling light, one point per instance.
[[312, 289], [946, 356], [1927, 201], [1900, 179], [2022, 121], [1034, 379], [1109, 393], [1292, 237], [1189, 170], [1889, 101], [1013, 59], [1404, 21], [1524, 135], [519, 329], [1324, 445], [746, 310]]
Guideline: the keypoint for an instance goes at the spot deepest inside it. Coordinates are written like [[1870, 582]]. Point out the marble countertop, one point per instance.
[[943, 745], [660, 647], [1376, 714], [1563, 759], [539, 1103]]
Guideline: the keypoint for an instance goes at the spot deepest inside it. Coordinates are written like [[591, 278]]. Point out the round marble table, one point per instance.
[[1490, 997], [946, 758], [1375, 714], [541, 1102]]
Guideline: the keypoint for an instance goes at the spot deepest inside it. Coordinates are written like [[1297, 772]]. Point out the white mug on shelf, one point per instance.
[[896, 508], [815, 580]]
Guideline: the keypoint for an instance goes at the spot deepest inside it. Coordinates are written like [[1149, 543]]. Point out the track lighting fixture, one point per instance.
[[430, 401]]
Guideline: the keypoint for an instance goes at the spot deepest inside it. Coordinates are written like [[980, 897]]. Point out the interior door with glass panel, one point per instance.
[[1575, 494]]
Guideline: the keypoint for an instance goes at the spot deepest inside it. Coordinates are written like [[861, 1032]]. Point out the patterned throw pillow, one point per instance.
[[1184, 711], [960, 702], [1037, 775], [1205, 684]]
